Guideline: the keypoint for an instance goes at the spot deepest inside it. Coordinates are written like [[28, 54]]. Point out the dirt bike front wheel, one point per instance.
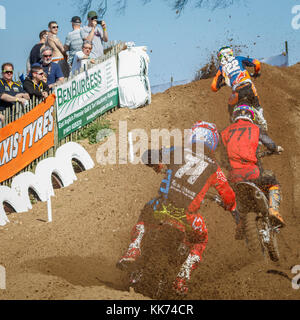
[[272, 247], [260, 239]]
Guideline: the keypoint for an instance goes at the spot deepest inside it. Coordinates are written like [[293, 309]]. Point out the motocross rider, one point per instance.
[[241, 140], [233, 71], [182, 191]]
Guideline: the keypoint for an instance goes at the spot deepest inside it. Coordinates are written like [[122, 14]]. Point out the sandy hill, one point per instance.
[[74, 257]]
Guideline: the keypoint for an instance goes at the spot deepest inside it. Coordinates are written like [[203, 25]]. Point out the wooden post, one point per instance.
[[286, 47]]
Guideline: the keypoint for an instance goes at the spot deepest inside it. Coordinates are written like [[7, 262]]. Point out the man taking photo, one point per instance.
[[93, 33]]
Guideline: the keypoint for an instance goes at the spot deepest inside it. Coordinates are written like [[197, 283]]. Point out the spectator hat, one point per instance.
[[92, 14], [76, 19], [35, 65]]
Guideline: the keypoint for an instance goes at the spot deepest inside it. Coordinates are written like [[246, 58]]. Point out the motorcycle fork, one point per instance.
[[266, 229]]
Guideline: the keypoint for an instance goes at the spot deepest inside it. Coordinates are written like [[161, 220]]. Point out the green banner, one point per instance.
[[86, 97], [88, 113]]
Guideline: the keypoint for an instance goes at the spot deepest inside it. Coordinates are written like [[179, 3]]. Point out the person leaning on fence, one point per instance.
[[53, 70], [93, 33], [73, 41], [10, 91], [34, 85], [59, 54], [82, 57]]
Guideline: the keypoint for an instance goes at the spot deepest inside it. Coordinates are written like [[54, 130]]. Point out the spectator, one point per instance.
[[45, 76], [59, 54], [73, 42], [82, 57], [93, 33], [34, 85], [10, 91], [35, 53], [53, 70]]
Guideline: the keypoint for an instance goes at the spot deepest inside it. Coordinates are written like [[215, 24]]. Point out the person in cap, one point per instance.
[[73, 41], [93, 33]]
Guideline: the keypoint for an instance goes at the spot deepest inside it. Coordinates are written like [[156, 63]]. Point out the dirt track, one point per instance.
[[74, 257]]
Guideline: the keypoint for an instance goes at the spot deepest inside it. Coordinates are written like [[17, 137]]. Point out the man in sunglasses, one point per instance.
[[34, 85], [59, 54], [93, 33], [53, 70], [10, 91], [82, 57]]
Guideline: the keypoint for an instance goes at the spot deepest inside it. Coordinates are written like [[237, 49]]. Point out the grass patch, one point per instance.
[[91, 131]]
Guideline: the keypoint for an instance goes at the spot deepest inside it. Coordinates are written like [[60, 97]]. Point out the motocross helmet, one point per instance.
[[205, 132], [225, 52], [243, 112]]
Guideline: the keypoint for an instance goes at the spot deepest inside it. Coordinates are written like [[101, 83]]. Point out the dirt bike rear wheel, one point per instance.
[[156, 269], [256, 246]]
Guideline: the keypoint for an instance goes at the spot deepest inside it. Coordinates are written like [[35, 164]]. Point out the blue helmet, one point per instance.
[[207, 133]]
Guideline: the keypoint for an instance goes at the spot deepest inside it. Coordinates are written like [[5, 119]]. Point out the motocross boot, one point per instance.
[[134, 249], [274, 202], [180, 284], [261, 121], [180, 287]]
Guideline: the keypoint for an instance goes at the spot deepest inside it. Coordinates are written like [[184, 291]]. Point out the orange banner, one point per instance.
[[27, 138]]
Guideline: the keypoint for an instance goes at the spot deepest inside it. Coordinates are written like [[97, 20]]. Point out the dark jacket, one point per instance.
[[35, 90]]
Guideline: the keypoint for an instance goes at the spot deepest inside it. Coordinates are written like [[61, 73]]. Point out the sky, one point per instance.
[[178, 46]]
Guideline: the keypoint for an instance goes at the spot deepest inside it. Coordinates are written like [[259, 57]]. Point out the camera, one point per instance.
[[98, 21]]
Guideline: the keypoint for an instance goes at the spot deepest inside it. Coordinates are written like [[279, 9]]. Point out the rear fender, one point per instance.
[[251, 198]]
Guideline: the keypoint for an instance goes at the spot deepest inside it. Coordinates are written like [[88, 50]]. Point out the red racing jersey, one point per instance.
[[241, 141]]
